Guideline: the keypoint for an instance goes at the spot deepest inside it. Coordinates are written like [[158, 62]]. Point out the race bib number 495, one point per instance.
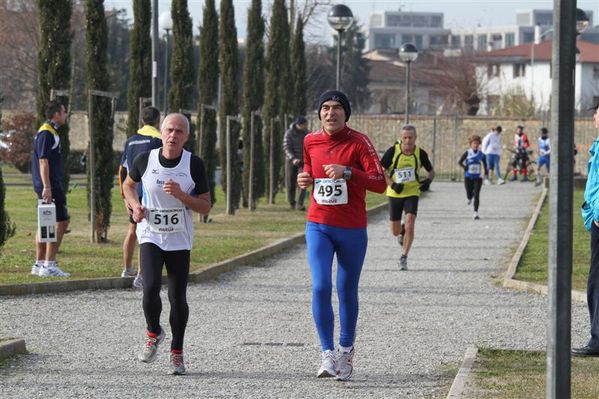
[[330, 191], [166, 220]]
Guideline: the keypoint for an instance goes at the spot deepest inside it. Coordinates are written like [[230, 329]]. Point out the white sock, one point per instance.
[[345, 349], [39, 262], [48, 264]]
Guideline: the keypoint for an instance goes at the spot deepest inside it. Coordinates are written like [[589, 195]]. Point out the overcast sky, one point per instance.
[[457, 13]]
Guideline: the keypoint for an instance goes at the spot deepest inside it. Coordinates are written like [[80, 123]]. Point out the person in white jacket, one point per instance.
[[491, 147]]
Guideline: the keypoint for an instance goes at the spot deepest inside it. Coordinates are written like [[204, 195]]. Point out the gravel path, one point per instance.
[[251, 334]]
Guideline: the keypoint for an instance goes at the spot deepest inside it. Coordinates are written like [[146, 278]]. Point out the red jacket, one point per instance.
[[350, 148]]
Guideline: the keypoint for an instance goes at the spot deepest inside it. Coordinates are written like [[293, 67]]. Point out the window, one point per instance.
[[519, 70], [384, 41], [469, 42], [509, 40], [438, 40], [436, 21], [456, 41], [596, 72], [482, 42], [492, 70], [527, 37], [418, 41]]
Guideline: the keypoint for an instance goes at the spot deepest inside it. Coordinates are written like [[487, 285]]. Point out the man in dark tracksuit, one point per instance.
[[293, 144], [147, 138]]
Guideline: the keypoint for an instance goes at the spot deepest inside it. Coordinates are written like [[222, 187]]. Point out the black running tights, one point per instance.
[[473, 190], [177, 269]]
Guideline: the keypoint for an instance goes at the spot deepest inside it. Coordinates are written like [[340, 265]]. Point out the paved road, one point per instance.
[[251, 335]]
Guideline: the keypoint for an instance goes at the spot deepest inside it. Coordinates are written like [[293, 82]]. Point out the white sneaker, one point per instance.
[[487, 182], [138, 281], [500, 181], [475, 216], [35, 269], [150, 350], [177, 364], [128, 273], [328, 368], [345, 367], [53, 271]]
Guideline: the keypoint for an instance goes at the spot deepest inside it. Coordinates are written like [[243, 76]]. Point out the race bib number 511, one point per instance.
[[166, 220], [330, 191]]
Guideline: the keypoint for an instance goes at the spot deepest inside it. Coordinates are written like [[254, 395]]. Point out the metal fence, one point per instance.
[[445, 137]]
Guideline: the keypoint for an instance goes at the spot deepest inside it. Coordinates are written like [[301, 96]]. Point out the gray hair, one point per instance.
[[410, 128], [177, 115]]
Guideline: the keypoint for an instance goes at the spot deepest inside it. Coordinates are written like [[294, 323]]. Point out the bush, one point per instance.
[[17, 141]]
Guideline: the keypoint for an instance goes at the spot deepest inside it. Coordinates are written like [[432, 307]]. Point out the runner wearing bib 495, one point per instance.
[[342, 164], [473, 161], [174, 185]]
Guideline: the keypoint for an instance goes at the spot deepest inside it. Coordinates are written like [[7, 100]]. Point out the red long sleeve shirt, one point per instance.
[[351, 148]]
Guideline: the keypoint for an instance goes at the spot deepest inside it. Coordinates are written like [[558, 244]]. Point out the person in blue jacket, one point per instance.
[[474, 163], [590, 216]]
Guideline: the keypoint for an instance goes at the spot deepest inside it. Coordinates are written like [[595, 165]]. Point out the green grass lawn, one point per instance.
[[511, 374], [225, 237], [533, 265]]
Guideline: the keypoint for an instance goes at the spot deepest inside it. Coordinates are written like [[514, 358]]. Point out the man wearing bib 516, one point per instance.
[[403, 161], [342, 164], [174, 185]]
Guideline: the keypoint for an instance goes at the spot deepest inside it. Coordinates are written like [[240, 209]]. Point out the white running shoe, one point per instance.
[[128, 273], [345, 366], [403, 262], [475, 216], [138, 281], [328, 368], [487, 182], [36, 269], [150, 350], [177, 364], [53, 271], [500, 181]]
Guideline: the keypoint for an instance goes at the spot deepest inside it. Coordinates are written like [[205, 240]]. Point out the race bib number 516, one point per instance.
[[330, 191], [166, 220]]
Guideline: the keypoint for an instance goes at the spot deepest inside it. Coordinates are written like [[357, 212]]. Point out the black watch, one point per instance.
[[347, 173]]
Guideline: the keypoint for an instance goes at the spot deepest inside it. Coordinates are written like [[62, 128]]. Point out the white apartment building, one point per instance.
[[525, 70], [391, 29]]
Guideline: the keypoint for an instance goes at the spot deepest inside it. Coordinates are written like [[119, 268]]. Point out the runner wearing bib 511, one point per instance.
[[403, 161]]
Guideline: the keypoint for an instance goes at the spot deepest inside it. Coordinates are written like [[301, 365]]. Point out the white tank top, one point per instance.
[[168, 223]]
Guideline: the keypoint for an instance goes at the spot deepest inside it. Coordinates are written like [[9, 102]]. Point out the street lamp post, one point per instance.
[[340, 18], [154, 37], [408, 54], [166, 22], [558, 378]]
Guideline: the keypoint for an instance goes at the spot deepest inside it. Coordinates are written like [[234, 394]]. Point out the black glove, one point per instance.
[[397, 187], [425, 184]]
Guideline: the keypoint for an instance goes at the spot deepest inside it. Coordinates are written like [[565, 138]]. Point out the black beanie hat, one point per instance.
[[338, 96]]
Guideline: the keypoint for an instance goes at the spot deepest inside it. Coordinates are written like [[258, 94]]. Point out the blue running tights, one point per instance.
[[324, 241]]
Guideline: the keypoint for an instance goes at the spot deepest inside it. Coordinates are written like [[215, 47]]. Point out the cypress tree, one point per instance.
[[228, 100], [277, 93], [54, 62], [182, 76], [298, 70], [355, 69], [140, 62], [208, 85], [97, 79], [253, 98]]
